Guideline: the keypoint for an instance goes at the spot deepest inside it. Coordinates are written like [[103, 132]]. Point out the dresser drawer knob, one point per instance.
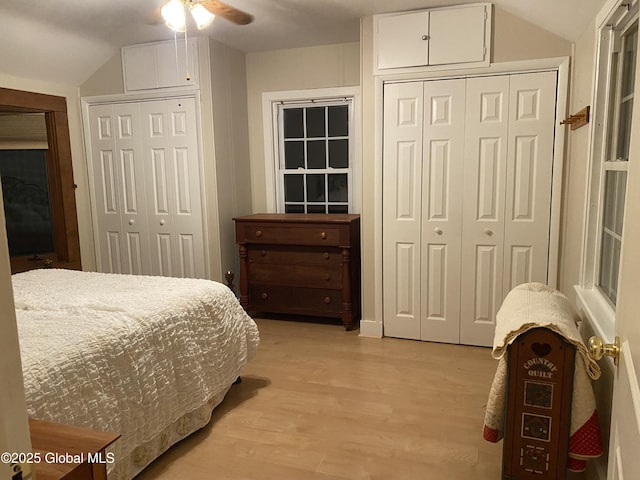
[[263, 253], [325, 255], [327, 277], [323, 235], [258, 233], [327, 300], [264, 296]]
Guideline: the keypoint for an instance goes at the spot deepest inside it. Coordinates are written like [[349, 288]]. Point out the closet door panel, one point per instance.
[[443, 153], [173, 188], [529, 178], [121, 237], [136, 258], [188, 217], [402, 209], [107, 224], [485, 170]]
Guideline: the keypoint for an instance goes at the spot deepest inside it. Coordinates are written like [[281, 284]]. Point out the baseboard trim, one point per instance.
[[370, 328]]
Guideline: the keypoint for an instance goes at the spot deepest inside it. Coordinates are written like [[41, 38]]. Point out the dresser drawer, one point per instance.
[[289, 234], [295, 255], [300, 300], [296, 275]]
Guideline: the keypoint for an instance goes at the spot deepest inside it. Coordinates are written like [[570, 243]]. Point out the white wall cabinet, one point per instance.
[[145, 181], [157, 65], [467, 198], [459, 36]]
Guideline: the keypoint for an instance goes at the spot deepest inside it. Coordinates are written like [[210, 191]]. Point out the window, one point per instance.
[[616, 160], [311, 135], [615, 79], [315, 160]]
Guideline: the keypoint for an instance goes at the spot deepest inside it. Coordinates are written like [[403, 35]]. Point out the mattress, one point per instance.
[[146, 357]]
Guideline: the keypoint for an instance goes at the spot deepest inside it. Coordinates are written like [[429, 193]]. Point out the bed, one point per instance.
[[147, 357]]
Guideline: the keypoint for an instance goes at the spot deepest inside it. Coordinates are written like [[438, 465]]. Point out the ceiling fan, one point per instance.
[[203, 13]]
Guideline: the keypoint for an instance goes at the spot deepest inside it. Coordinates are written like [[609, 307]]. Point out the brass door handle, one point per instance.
[[598, 349]]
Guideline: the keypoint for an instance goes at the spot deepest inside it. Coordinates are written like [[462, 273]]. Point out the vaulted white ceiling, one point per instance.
[[71, 38]]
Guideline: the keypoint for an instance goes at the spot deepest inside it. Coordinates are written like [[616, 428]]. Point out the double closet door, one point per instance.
[[145, 173], [466, 201]]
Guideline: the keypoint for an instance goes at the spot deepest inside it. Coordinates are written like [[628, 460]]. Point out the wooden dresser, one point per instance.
[[69, 443], [304, 264]]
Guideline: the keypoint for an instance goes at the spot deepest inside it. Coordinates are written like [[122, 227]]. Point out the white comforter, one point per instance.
[[129, 354]]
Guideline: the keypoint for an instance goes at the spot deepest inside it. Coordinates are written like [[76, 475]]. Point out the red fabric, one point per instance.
[[576, 465], [490, 435], [587, 442]]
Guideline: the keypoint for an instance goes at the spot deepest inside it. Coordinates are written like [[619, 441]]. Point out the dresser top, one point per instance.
[[300, 217]]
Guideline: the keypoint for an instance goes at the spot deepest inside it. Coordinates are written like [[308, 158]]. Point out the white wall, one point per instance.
[[292, 69]]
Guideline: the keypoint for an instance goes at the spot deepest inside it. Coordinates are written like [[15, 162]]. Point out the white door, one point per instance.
[[402, 208], [507, 193], [624, 460], [172, 181], [443, 153], [422, 211], [476, 201], [483, 194], [121, 221]]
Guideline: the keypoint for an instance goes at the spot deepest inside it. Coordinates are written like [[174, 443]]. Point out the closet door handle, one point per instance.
[[161, 222], [131, 221], [488, 232], [438, 231]]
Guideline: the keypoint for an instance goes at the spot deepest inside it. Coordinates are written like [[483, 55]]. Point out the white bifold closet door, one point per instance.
[[466, 201], [146, 188]]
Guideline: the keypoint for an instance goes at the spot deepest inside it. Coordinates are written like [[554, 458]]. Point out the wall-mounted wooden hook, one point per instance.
[[579, 119]]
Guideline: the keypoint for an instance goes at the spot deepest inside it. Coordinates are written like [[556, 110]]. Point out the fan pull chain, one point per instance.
[[186, 54], [175, 47]]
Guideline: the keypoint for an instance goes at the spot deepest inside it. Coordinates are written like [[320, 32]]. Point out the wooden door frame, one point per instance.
[[64, 218]]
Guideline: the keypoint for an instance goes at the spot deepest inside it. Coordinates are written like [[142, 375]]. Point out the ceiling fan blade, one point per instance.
[[228, 12]]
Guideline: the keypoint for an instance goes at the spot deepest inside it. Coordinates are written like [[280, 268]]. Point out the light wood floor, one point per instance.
[[321, 403]]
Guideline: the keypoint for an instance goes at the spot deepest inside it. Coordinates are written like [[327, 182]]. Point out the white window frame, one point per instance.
[[594, 303], [270, 103]]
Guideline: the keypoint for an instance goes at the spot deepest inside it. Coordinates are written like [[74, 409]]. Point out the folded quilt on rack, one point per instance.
[[534, 305]]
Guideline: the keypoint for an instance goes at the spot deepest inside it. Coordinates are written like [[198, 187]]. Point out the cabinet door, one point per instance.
[[118, 189], [402, 208], [457, 35], [172, 178], [402, 40], [159, 65], [442, 175], [176, 66], [483, 197], [139, 67]]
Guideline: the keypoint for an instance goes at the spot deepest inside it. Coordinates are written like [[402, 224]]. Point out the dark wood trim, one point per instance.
[[60, 171], [21, 101]]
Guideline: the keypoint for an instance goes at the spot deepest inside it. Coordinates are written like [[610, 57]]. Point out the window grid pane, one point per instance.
[[613, 209], [625, 113], [316, 146]]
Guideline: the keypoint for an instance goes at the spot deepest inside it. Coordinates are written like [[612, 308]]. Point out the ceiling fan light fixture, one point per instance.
[[201, 15], [173, 14]]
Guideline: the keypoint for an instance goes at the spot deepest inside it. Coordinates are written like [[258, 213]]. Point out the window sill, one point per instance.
[[598, 312]]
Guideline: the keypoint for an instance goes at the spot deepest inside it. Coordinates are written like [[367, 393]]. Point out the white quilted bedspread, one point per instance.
[[129, 354]]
